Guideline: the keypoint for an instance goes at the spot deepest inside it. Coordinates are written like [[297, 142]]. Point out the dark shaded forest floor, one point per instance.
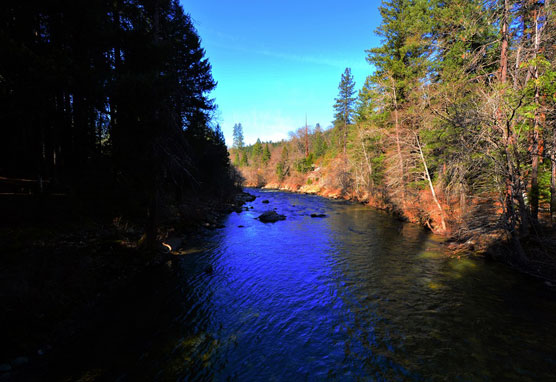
[[63, 276], [540, 252], [536, 257]]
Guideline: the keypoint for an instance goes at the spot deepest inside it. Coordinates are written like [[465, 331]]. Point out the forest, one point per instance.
[[455, 128], [108, 109], [131, 252], [108, 145]]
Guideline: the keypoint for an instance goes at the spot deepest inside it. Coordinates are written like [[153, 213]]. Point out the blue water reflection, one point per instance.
[[357, 295]]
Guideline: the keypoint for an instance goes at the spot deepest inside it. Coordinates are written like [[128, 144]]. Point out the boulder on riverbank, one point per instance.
[[271, 217], [245, 197], [239, 200]]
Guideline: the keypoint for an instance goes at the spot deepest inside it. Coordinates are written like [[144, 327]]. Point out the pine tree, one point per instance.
[[402, 58], [319, 143], [238, 137], [115, 98], [237, 160], [244, 159], [462, 31], [344, 105], [402, 65], [257, 150], [266, 154]]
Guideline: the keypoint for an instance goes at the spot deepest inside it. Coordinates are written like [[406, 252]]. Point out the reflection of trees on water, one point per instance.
[[374, 261], [353, 295]]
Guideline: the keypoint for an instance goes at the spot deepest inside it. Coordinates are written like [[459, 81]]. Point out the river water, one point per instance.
[[356, 295]]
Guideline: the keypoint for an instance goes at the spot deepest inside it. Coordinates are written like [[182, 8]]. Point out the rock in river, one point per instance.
[[271, 217], [266, 201], [244, 197], [318, 215]]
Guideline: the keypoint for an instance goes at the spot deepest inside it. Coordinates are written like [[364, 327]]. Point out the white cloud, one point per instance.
[[232, 43], [311, 59]]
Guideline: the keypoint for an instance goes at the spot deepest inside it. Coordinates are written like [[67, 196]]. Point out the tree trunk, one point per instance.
[[504, 43], [535, 138], [428, 177], [345, 138], [398, 145], [534, 197], [149, 242], [511, 179], [369, 166]]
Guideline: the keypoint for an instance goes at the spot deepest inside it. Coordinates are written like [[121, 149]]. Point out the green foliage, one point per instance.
[[319, 144], [463, 28], [285, 154], [378, 163], [257, 150], [238, 136], [364, 105], [110, 103], [281, 170], [244, 159], [544, 182], [304, 165], [402, 59], [436, 108], [266, 154], [344, 105]]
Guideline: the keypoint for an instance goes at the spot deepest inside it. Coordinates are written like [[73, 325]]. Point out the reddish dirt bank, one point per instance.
[[418, 208], [470, 231]]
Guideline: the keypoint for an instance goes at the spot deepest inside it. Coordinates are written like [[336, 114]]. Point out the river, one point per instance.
[[355, 295]]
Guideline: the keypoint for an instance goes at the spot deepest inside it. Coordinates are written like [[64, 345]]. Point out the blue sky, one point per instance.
[[275, 60]]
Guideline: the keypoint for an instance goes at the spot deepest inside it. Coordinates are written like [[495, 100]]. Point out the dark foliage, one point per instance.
[[108, 100]]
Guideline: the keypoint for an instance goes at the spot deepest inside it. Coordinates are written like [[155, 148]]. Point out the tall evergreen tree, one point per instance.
[[244, 159], [319, 142], [115, 99], [266, 154], [402, 57], [257, 150], [344, 105], [238, 136]]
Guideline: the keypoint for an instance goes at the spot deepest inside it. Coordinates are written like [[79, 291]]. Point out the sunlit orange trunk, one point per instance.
[[398, 145], [504, 44], [429, 180]]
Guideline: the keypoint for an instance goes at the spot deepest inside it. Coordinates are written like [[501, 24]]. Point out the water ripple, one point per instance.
[[353, 296]]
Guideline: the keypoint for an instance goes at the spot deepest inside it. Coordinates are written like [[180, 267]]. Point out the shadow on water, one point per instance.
[[355, 295]]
